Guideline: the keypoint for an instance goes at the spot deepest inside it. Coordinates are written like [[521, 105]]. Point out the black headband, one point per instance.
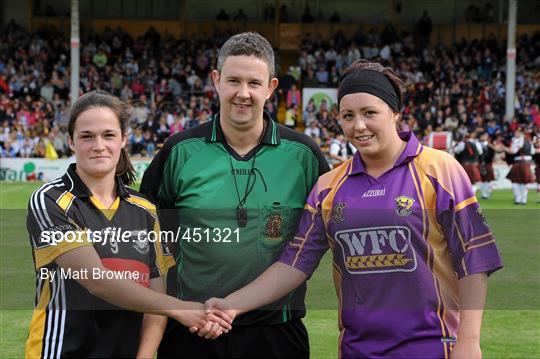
[[372, 82]]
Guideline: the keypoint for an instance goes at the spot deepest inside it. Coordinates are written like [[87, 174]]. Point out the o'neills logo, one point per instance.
[[377, 249], [374, 193]]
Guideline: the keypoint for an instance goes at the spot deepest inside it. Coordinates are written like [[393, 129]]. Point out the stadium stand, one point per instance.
[[453, 89]]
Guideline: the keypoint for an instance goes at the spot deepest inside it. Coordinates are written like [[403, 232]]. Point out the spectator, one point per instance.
[[163, 131], [310, 80], [322, 76], [293, 97], [283, 13], [310, 111], [100, 58], [149, 143], [176, 126], [222, 15], [291, 117], [306, 16], [335, 17], [313, 130], [338, 150], [240, 16], [137, 142], [272, 110], [425, 26], [9, 150], [47, 91]]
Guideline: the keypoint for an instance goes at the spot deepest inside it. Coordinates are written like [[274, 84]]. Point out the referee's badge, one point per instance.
[[404, 205], [274, 224]]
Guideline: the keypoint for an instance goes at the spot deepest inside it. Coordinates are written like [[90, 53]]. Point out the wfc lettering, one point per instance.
[[377, 250]]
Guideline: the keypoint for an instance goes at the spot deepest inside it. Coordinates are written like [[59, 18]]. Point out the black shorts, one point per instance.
[[288, 340]]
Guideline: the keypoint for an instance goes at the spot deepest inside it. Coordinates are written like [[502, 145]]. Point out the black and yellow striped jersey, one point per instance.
[[68, 321]]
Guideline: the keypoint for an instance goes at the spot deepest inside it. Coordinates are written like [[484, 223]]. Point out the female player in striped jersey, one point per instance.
[[98, 258], [411, 249]]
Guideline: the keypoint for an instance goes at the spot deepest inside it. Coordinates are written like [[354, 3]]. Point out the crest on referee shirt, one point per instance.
[[274, 223], [404, 205], [337, 212]]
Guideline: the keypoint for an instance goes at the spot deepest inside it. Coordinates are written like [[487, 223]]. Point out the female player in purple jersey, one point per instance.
[[411, 250], [83, 280]]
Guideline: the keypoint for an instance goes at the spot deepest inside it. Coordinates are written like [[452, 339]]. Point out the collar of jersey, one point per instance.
[[270, 136], [77, 187], [412, 149]]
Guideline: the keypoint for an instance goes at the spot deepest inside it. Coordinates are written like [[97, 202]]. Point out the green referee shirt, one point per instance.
[[197, 181]]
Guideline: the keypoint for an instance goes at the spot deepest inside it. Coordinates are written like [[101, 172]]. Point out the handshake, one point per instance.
[[208, 320]]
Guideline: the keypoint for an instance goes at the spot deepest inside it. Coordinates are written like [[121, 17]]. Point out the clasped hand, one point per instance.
[[209, 322], [217, 320]]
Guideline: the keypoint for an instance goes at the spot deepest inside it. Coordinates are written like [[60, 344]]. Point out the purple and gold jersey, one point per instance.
[[399, 244]]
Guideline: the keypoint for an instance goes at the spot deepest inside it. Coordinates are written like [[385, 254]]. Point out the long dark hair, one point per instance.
[[100, 98]]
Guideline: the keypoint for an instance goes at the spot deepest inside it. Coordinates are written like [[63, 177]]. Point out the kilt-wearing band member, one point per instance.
[[486, 165], [468, 152], [536, 159], [520, 173]]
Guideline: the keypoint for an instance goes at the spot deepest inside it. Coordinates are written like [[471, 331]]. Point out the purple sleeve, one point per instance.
[[307, 248], [472, 245]]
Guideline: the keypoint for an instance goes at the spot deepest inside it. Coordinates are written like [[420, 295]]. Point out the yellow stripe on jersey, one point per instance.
[[303, 239], [442, 269], [434, 163], [64, 201], [141, 202], [481, 244], [336, 273], [48, 254], [107, 211], [333, 180], [465, 203], [163, 262], [34, 343], [489, 234]]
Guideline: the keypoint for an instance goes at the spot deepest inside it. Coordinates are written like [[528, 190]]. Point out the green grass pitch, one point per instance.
[[511, 327]]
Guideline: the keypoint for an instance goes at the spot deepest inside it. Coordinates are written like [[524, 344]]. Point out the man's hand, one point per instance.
[[214, 323], [214, 306], [466, 349]]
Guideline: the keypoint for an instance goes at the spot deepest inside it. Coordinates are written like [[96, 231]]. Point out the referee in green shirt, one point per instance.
[[231, 190]]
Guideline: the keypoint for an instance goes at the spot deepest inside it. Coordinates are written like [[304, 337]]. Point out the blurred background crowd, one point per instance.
[[458, 90]]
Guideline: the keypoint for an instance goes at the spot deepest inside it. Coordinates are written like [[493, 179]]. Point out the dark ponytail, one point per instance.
[[100, 98], [124, 168]]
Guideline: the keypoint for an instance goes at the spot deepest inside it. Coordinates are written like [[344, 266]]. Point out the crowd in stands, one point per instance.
[[459, 89], [167, 81]]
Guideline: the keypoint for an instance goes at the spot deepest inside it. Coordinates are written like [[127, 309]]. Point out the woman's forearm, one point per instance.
[[152, 327], [123, 293], [274, 283], [472, 292]]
